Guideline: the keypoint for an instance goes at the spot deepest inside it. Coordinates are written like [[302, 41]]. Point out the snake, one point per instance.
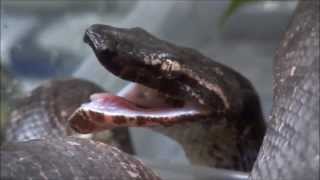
[[193, 97], [210, 109]]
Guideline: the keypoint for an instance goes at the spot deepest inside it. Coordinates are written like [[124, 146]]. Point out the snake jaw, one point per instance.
[[139, 106], [135, 55]]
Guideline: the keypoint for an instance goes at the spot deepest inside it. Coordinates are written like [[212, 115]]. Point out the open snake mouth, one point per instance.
[[135, 105], [162, 94]]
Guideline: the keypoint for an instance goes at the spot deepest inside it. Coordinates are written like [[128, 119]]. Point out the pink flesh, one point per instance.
[[111, 105], [142, 96], [136, 105]]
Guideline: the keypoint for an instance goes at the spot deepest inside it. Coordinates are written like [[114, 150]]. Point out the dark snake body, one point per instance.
[[290, 149], [45, 111], [70, 158], [291, 146], [36, 144], [48, 107]]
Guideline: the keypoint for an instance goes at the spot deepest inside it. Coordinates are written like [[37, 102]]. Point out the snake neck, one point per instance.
[[231, 141], [213, 143]]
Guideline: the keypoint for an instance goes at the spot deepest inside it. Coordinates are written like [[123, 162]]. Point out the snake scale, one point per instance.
[[200, 100]]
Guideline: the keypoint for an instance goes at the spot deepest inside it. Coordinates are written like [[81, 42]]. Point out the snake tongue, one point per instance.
[[136, 105]]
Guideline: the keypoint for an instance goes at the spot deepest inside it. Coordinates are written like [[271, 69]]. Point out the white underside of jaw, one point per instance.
[[118, 110], [135, 100]]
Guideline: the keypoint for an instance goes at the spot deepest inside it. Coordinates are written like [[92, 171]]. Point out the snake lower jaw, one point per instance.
[[135, 105]]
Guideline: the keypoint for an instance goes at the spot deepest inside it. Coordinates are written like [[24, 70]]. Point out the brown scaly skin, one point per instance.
[[230, 138], [290, 149], [45, 111], [70, 158], [40, 120]]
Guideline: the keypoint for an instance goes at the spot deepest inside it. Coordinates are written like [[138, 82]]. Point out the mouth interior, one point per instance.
[[134, 105]]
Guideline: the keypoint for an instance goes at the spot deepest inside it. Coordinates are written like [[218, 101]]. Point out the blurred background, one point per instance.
[[42, 40]]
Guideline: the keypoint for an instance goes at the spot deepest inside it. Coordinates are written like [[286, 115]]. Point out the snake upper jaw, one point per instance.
[[133, 55], [137, 56]]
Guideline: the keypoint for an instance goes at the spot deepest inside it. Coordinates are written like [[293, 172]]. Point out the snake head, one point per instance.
[[135, 55], [188, 84]]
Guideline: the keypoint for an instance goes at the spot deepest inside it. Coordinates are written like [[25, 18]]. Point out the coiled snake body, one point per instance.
[[210, 109]]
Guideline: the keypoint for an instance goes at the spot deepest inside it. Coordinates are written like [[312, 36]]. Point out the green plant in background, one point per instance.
[[232, 8]]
